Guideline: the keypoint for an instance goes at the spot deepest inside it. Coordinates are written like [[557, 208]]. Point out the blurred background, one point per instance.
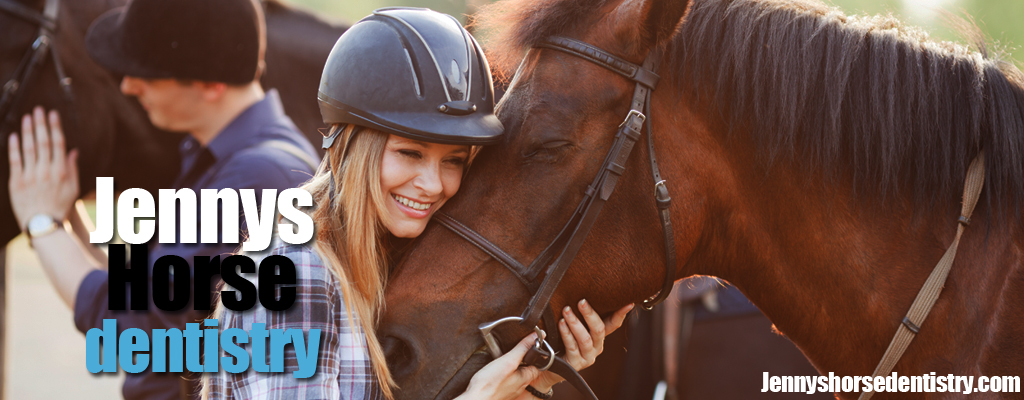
[[50, 337], [1000, 20]]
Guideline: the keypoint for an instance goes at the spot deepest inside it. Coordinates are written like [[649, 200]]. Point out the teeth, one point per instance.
[[411, 204]]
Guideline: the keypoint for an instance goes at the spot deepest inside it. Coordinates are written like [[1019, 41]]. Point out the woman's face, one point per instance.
[[417, 178]]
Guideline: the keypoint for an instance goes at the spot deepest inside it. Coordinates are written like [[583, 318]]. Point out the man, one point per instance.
[[194, 66]]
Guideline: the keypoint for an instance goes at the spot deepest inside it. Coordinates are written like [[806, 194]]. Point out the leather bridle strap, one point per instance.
[[28, 14], [483, 244], [643, 75], [14, 89], [929, 293], [562, 368], [664, 201], [612, 169]]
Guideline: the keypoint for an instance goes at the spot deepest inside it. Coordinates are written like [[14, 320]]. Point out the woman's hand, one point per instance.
[[582, 347], [503, 378], [44, 180]]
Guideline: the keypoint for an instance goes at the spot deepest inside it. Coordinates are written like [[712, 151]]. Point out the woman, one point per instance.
[[407, 94]]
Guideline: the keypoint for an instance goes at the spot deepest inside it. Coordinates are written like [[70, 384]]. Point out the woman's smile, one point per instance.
[[412, 208]]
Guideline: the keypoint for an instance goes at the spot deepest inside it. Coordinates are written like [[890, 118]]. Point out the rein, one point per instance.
[[14, 90], [554, 261], [929, 293]]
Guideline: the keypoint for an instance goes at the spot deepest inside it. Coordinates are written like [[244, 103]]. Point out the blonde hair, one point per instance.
[[349, 215], [350, 219]]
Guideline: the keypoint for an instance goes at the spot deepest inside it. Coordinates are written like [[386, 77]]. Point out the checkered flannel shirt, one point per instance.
[[343, 368]]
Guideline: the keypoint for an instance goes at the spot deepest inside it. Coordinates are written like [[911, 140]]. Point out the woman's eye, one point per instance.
[[410, 153], [455, 161]]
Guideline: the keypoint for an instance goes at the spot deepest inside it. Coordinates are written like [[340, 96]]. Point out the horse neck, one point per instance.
[[835, 271], [81, 13]]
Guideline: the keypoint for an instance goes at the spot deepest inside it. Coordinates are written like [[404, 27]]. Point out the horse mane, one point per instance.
[[865, 96], [508, 28]]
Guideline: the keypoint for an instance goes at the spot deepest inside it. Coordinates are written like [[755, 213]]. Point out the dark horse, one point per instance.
[[816, 162], [111, 131]]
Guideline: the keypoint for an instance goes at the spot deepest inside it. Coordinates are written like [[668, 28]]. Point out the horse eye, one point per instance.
[[554, 144], [548, 152]]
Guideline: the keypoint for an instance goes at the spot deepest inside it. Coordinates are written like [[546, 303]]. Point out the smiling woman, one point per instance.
[[419, 177], [394, 155]]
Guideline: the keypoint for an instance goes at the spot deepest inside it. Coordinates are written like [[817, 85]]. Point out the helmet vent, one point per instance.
[[426, 45], [415, 75], [457, 86]]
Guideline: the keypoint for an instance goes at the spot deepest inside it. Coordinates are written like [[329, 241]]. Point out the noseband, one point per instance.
[[32, 61], [554, 261]]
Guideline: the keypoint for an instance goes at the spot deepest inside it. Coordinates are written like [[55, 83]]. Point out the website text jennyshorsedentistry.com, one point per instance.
[[893, 383]]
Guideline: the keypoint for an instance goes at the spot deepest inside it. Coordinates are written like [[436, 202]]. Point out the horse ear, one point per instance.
[[648, 23]]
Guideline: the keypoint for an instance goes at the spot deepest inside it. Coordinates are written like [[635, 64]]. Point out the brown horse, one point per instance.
[[111, 131], [815, 161]]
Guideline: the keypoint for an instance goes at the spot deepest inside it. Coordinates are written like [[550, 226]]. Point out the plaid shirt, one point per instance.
[[343, 368]]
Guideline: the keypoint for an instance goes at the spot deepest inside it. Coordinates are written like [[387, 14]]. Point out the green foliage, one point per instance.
[[349, 10], [999, 20]]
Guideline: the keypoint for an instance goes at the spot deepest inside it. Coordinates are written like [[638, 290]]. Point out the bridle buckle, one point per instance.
[[540, 345], [634, 113]]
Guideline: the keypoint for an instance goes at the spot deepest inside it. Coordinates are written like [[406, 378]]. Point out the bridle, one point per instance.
[[15, 88], [554, 261]]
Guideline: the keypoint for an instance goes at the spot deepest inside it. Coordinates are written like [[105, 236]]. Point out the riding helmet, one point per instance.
[[205, 40], [411, 72]]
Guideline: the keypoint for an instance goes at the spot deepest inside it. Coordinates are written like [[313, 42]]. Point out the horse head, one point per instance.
[[816, 161], [560, 113]]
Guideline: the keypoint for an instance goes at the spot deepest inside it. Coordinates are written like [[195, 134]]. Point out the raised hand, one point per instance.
[[44, 178]]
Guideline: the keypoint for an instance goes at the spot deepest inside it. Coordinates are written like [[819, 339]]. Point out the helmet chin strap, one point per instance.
[[333, 134], [328, 142]]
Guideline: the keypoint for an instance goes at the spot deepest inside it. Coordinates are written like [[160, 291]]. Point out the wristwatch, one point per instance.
[[41, 225]]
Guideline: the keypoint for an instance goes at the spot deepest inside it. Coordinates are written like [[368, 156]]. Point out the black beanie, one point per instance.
[[206, 40]]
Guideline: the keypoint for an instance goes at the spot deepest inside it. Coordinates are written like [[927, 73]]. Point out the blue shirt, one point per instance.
[[255, 151]]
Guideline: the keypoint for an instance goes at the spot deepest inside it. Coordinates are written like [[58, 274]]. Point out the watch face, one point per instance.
[[40, 224]]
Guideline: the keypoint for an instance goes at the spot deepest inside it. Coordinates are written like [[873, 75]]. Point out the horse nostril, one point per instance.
[[399, 355]]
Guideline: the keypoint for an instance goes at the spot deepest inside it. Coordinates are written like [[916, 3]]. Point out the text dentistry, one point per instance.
[[176, 350]]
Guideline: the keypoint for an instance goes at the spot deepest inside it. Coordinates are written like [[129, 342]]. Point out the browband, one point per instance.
[[634, 72]]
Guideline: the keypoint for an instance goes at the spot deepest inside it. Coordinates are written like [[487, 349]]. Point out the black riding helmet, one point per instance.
[[412, 72]]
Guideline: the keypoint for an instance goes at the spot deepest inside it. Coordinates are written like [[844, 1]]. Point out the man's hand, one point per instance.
[[44, 179]]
